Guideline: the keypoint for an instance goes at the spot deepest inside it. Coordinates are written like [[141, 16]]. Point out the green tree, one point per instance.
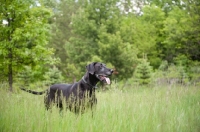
[[97, 32], [167, 5], [191, 38], [61, 32], [122, 55], [174, 28], [143, 72], [53, 76], [180, 31], [25, 77], [23, 36], [153, 17], [85, 26]]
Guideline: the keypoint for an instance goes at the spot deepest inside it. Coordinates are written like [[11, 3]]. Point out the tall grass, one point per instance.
[[157, 109]]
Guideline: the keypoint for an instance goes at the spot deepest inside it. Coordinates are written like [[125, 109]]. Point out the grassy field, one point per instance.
[[156, 109]]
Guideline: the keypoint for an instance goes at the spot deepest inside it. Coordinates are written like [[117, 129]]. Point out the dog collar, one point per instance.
[[88, 83]]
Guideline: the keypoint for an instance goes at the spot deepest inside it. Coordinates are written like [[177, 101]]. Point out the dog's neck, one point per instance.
[[90, 80]]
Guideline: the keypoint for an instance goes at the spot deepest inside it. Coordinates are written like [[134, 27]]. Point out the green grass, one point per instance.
[[164, 109]]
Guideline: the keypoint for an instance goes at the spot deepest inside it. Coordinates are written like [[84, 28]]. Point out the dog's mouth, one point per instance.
[[103, 78]]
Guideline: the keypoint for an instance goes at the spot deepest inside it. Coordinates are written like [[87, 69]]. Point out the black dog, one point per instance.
[[80, 94]]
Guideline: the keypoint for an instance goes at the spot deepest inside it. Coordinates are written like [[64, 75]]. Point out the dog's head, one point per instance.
[[100, 71]]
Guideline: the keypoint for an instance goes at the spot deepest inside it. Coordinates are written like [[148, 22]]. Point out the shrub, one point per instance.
[[194, 73], [170, 73]]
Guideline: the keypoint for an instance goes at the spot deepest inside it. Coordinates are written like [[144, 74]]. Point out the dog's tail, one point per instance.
[[33, 92]]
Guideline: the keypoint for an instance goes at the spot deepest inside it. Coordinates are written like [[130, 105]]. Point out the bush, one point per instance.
[[170, 74], [194, 73]]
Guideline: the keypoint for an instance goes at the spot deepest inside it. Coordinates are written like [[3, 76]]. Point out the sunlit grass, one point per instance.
[[158, 109]]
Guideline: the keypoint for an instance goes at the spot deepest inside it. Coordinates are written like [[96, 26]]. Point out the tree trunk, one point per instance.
[[10, 70], [10, 57]]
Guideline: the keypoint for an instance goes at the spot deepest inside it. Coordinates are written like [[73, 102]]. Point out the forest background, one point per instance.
[[145, 41]]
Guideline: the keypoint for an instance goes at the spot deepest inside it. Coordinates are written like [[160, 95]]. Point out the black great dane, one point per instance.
[[78, 95]]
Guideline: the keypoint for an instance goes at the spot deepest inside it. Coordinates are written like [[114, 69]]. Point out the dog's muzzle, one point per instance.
[[103, 78]]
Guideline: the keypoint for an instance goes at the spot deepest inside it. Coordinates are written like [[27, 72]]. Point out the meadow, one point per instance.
[[131, 109]]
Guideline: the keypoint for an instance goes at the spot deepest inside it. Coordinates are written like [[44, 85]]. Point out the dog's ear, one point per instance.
[[90, 67]]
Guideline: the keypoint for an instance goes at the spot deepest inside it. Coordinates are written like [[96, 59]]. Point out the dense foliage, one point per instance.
[[115, 32], [24, 37]]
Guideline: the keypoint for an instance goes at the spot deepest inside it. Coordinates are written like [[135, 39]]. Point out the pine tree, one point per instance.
[[143, 72], [53, 76], [24, 77]]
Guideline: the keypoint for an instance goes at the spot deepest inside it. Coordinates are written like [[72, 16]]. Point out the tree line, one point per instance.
[[44, 38]]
